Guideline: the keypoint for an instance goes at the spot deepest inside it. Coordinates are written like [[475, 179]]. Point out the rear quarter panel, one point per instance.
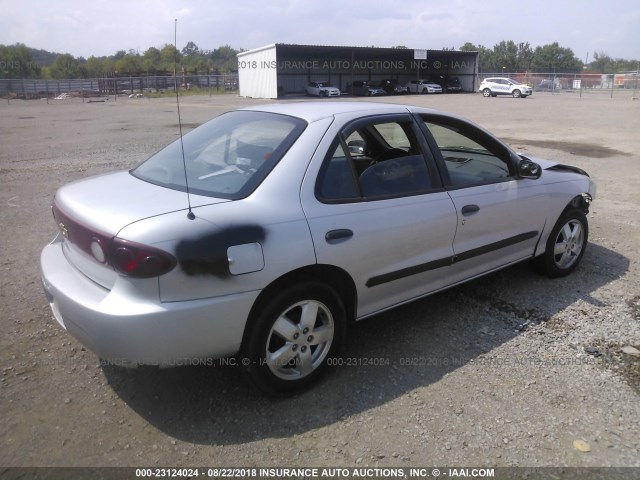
[[271, 217]]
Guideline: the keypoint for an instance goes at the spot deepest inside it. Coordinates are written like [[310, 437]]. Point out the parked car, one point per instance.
[[322, 89], [549, 85], [448, 84], [282, 224], [492, 87], [365, 88], [423, 86], [392, 87]]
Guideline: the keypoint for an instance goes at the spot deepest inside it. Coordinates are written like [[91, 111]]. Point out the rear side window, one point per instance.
[[226, 157], [372, 161]]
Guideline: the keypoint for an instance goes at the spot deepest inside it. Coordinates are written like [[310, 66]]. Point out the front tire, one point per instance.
[[516, 93], [486, 93], [293, 336], [565, 246]]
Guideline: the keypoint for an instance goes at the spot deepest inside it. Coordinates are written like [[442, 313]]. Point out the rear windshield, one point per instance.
[[226, 157]]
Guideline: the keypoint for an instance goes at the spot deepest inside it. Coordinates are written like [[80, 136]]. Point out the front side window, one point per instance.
[[227, 157], [373, 161], [470, 157]]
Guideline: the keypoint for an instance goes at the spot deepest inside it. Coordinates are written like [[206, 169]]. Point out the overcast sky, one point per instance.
[[95, 27]]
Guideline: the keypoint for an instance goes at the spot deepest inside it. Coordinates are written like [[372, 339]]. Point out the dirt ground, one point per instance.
[[499, 370]]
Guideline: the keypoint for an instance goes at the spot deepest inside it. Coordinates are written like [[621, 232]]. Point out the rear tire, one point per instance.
[[486, 93], [566, 245], [293, 337]]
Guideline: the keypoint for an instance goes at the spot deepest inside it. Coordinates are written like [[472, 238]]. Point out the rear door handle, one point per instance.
[[469, 209], [335, 236]]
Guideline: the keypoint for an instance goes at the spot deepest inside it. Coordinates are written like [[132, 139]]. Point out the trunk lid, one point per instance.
[[91, 212]]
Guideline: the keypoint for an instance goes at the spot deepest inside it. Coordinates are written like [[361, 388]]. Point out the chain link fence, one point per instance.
[[618, 84], [95, 87], [614, 85]]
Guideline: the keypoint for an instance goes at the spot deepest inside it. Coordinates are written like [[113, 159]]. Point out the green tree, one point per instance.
[[108, 66], [94, 67], [485, 57], [65, 66], [151, 60], [190, 50], [198, 64], [168, 56], [505, 56], [603, 63], [468, 47], [16, 61], [130, 64], [525, 56], [225, 59], [554, 58], [153, 55]]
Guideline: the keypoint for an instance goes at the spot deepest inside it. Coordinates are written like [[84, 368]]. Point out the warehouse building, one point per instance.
[[282, 69]]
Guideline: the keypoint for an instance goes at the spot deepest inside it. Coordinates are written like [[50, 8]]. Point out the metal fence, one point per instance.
[[31, 88], [618, 84]]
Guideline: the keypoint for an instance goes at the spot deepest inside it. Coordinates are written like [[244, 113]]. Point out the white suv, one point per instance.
[[492, 87]]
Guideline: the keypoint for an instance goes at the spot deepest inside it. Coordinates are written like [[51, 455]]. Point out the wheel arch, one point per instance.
[[330, 275], [548, 263], [580, 202]]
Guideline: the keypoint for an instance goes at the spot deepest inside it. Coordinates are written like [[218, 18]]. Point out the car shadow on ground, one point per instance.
[[387, 356]]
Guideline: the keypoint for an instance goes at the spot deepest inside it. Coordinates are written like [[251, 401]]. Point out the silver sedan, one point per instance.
[[271, 228]]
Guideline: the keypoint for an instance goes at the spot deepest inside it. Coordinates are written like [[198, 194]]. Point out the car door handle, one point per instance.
[[469, 209], [334, 236]]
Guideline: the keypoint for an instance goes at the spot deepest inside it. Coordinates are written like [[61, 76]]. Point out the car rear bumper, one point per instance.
[[127, 326]]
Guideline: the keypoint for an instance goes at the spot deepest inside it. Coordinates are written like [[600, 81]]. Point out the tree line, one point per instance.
[[508, 56], [20, 61]]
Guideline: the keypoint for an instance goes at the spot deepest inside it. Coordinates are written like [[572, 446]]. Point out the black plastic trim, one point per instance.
[[447, 261]]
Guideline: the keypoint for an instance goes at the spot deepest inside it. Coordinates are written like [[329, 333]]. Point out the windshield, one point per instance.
[[226, 157]]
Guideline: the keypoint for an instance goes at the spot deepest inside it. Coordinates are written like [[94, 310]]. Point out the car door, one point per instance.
[[500, 216], [504, 85], [376, 209]]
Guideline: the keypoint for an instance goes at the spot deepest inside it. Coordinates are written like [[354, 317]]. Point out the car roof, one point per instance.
[[314, 111]]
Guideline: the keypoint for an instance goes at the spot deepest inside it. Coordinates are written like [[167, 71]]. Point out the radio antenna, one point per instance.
[[190, 215]]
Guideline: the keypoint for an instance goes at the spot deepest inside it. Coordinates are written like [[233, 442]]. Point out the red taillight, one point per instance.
[[138, 260], [128, 258]]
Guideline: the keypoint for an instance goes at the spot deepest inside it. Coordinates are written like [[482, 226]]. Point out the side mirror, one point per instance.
[[529, 169], [356, 146]]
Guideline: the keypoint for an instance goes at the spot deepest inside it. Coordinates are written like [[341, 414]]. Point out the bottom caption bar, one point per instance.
[[326, 473]]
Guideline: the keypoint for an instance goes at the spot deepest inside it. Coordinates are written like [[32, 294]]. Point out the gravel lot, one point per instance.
[[492, 373]]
